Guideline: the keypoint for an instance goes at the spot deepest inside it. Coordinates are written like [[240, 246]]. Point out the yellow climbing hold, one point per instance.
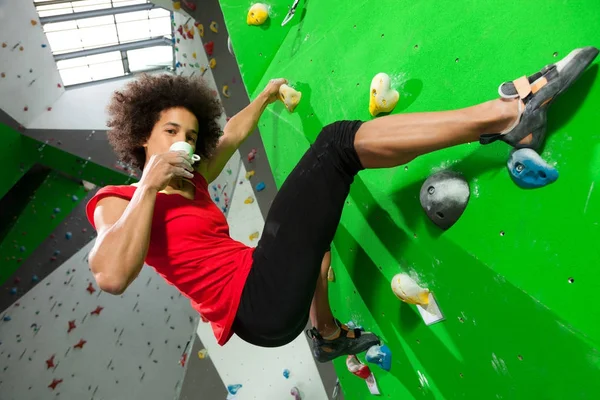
[[214, 27], [177, 5], [202, 354], [201, 30], [194, 55], [409, 291], [382, 97], [225, 91], [330, 274], [249, 200], [254, 236], [202, 69], [213, 63], [258, 14], [289, 96], [249, 174]]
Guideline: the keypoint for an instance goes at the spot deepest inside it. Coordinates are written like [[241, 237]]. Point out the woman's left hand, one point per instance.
[[272, 89]]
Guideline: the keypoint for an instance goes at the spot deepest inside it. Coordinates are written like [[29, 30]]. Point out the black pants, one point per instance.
[[298, 231]]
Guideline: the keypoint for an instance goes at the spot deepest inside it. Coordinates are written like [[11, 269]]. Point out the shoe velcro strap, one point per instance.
[[523, 87]]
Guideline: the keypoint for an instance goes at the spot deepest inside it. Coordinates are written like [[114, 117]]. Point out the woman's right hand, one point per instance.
[[161, 168]]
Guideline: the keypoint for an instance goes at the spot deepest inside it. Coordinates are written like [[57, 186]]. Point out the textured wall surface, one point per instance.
[[515, 277]]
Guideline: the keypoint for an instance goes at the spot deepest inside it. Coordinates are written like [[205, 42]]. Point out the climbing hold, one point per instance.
[[260, 187], [56, 252], [214, 27], [21, 48], [230, 46], [90, 288], [71, 326], [25, 108], [55, 383], [178, 64], [209, 48], [330, 274], [177, 5], [253, 236], [258, 14], [17, 280], [4, 45], [194, 55], [189, 5], [80, 344], [56, 210], [212, 63], [233, 389], [202, 354], [217, 199], [229, 171], [74, 198], [189, 34], [409, 291], [444, 197], [48, 108], [35, 278], [357, 368], [6, 318], [33, 22], [3, 75], [50, 362], [22, 249], [296, 393], [252, 155], [97, 310], [225, 91], [58, 85], [529, 171], [382, 97], [184, 55], [44, 46], [289, 96], [200, 29], [249, 200], [250, 174], [13, 291], [380, 355], [68, 235], [286, 373]]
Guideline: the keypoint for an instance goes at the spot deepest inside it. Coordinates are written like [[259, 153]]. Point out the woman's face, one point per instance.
[[174, 125]]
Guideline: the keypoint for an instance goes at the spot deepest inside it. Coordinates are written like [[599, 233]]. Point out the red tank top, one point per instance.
[[191, 249]]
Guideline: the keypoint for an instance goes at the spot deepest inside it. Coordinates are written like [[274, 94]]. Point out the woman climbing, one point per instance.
[[266, 294]]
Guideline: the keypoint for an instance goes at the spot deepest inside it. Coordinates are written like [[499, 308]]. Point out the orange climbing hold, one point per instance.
[[33, 22]]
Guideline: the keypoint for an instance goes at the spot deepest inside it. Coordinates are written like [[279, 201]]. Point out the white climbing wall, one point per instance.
[[130, 347], [29, 79], [260, 370]]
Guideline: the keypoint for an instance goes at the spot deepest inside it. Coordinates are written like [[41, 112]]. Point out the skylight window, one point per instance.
[[94, 40]]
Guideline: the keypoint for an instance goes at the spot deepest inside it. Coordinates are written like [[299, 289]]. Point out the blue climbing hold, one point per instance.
[[214, 187], [68, 235], [35, 278], [233, 389], [74, 198], [286, 373], [44, 46], [56, 210], [13, 290], [178, 65], [260, 187], [22, 248], [56, 252], [380, 355], [6, 318], [529, 171], [217, 199]]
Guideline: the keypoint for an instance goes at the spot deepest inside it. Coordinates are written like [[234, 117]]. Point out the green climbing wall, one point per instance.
[[53, 200], [516, 276]]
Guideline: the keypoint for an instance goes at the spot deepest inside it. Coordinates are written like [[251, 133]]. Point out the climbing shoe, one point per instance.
[[326, 350], [535, 93]]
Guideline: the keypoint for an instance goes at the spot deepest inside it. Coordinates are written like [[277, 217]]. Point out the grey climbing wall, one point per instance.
[[226, 72]]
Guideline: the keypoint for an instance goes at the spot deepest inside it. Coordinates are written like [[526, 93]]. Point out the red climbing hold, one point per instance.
[[180, 30], [252, 155], [25, 108], [190, 34], [17, 280], [71, 326], [80, 344], [49, 108], [54, 383], [209, 47], [97, 310], [90, 288], [183, 360], [58, 85], [189, 5], [50, 362]]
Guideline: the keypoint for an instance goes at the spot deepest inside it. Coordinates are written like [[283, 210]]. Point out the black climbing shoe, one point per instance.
[[536, 93], [326, 350]]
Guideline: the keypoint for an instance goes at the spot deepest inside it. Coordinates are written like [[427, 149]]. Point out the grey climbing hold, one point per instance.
[[444, 197]]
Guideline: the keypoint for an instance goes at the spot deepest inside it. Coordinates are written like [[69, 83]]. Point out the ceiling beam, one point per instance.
[[96, 13], [141, 44]]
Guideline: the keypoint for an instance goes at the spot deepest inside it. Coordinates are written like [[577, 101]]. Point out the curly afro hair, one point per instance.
[[135, 110]]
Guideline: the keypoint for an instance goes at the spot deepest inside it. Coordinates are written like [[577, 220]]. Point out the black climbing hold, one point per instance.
[[444, 197]]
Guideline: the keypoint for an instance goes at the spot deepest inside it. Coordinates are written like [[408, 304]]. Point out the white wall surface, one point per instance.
[[260, 370], [80, 108], [132, 350], [33, 63]]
